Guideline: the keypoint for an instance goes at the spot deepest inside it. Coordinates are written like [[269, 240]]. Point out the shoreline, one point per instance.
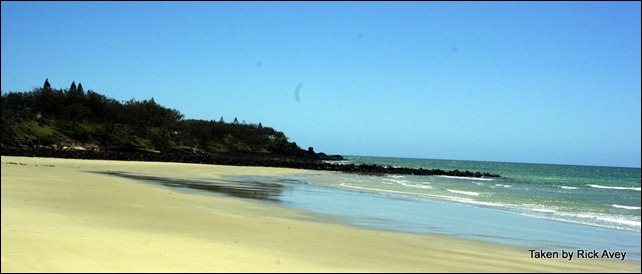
[[58, 217]]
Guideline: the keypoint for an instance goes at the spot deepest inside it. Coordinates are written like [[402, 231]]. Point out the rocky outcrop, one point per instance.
[[313, 161]]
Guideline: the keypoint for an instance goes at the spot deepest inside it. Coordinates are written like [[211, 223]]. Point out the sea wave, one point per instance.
[[405, 183], [395, 181], [471, 193], [531, 210], [599, 221], [626, 207], [569, 187], [614, 187], [480, 203], [380, 190], [467, 178], [449, 198], [338, 162], [556, 213], [590, 218], [621, 221], [540, 208]]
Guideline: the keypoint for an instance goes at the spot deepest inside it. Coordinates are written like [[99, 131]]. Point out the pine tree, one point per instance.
[[73, 86], [236, 121], [47, 85], [80, 90]]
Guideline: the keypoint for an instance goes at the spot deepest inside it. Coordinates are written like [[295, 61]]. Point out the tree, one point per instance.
[[80, 90], [221, 121], [236, 121], [75, 95], [47, 85]]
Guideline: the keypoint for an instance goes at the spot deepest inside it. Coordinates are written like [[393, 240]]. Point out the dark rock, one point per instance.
[[318, 161]]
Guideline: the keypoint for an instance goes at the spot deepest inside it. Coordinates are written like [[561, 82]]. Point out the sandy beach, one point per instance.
[[59, 216]]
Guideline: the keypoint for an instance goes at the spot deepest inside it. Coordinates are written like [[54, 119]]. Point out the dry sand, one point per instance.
[[56, 217]]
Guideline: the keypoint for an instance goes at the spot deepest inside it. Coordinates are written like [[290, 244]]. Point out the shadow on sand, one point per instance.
[[244, 188]]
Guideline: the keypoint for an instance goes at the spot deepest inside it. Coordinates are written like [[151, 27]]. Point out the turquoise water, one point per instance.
[[537, 206], [598, 196]]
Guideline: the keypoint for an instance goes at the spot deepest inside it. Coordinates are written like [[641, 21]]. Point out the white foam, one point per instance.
[[471, 193], [531, 210], [585, 216], [589, 218], [615, 187], [404, 183], [338, 162], [627, 207], [418, 186], [395, 181], [584, 219], [374, 189], [569, 187], [620, 221], [541, 208], [471, 201], [450, 198], [466, 178]]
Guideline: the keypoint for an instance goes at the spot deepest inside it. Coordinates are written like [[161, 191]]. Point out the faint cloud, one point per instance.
[[259, 64], [297, 90], [455, 49]]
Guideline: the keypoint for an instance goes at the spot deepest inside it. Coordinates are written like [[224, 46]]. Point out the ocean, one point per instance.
[[598, 196], [539, 206]]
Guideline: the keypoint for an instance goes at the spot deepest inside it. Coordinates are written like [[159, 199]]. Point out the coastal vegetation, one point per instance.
[[78, 119]]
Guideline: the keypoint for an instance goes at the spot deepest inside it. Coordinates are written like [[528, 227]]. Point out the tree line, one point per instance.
[[50, 117]]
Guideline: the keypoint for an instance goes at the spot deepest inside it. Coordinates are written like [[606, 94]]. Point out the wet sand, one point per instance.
[[63, 215]]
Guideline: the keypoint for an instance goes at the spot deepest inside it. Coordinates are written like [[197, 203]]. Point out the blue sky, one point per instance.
[[539, 82]]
